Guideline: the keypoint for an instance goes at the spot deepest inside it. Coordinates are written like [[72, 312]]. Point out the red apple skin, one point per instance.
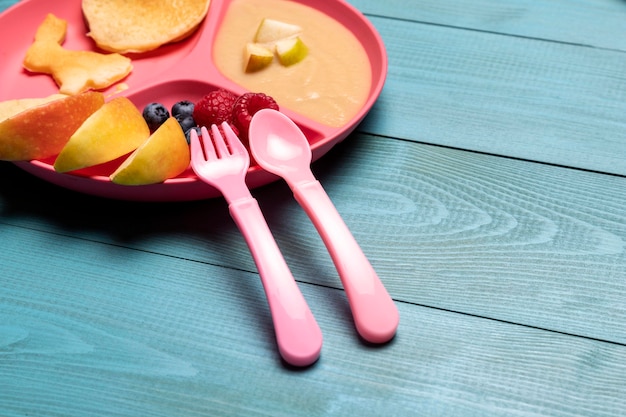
[[42, 131]]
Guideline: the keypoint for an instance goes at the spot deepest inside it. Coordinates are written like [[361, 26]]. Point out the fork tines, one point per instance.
[[224, 139]]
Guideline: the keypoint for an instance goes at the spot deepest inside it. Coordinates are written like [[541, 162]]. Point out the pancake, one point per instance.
[[141, 25]]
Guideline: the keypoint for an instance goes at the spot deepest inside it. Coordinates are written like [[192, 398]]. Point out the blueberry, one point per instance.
[[182, 108], [155, 115], [186, 122], [188, 133]]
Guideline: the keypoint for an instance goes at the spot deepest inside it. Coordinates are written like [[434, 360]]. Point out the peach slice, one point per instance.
[[37, 128], [164, 155], [114, 130]]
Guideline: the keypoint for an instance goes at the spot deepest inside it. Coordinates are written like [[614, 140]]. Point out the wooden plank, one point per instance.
[[155, 309], [5, 4], [495, 237], [596, 23], [541, 101], [103, 330]]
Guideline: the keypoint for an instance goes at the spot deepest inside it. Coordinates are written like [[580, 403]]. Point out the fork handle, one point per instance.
[[298, 335], [375, 314]]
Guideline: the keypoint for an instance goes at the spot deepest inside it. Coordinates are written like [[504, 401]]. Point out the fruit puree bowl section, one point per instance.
[[181, 71]]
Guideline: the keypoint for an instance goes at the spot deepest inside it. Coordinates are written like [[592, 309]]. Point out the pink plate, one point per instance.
[[153, 79]]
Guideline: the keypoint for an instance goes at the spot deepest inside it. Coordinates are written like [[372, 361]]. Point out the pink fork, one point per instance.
[[223, 164]]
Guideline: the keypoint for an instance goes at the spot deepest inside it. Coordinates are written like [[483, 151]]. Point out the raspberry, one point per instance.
[[214, 108], [224, 106], [247, 104]]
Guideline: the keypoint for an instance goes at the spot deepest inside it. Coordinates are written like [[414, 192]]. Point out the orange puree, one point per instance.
[[329, 86]]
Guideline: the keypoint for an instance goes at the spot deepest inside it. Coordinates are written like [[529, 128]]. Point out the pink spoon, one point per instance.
[[280, 147]]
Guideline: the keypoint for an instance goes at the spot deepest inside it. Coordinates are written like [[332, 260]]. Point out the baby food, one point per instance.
[[330, 86]]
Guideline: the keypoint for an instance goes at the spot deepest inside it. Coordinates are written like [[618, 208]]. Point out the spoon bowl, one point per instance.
[[280, 146]]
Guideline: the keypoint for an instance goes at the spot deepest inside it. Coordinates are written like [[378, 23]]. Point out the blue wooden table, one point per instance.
[[487, 186]]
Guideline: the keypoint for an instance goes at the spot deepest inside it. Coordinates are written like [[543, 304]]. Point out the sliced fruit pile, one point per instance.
[[81, 131], [156, 156]]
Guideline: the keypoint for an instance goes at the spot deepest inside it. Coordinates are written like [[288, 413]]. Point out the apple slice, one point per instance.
[[271, 30], [37, 128], [257, 57], [164, 155], [291, 51], [114, 130], [10, 108]]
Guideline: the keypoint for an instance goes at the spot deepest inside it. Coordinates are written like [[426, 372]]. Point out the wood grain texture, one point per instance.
[[596, 23], [5, 4], [495, 237], [510, 275], [525, 98], [530, 243], [110, 331], [542, 81]]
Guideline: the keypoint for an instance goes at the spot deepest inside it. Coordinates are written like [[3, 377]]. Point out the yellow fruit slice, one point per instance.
[[271, 30], [114, 130], [257, 57], [164, 155], [291, 51]]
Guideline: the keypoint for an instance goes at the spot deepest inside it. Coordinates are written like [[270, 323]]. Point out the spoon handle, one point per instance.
[[375, 314], [298, 335]]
